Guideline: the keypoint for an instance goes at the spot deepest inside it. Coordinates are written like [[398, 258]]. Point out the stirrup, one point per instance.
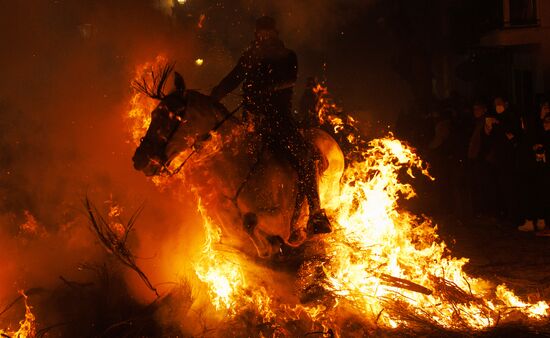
[[318, 223]]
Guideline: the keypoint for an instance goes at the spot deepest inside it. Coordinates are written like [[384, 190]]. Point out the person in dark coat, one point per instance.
[[268, 71], [503, 134], [535, 178], [479, 187]]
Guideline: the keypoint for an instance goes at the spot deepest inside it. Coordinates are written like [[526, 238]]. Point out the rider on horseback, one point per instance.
[[268, 72]]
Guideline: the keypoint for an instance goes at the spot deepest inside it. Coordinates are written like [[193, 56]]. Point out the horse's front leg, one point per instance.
[[297, 233], [265, 245]]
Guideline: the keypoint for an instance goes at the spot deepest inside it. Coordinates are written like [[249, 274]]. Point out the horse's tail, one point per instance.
[[331, 165]]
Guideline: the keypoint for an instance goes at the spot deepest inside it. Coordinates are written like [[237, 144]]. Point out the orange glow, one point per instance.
[[201, 21], [381, 263], [141, 106]]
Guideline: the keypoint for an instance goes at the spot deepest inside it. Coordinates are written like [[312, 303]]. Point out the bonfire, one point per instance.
[[381, 268]]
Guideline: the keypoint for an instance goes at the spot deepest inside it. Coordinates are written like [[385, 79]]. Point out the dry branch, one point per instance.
[[27, 292], [114, 243], [404, 284]]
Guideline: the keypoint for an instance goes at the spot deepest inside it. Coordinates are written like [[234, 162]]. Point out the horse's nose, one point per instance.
[[140, 161], [151, 170]]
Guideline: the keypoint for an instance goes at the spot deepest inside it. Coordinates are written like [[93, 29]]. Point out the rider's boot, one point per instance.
[[319, 223]]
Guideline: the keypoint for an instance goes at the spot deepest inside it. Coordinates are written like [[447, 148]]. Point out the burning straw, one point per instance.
[[382, 268]]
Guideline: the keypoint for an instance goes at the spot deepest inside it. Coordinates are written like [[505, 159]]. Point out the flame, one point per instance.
[[538, 310], [200, 24], [224, 277], [114, 220], [141, 106], [27, 327], [328, 111], [377, 245], [228, 288], [199, 62], [383, 264]]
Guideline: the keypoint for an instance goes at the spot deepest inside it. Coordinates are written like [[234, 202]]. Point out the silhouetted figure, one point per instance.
[[477, 167], [268, 72], [503, 131], [535, 174]]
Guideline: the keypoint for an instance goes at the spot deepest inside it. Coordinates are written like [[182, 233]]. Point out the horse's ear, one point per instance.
[[179, 83]]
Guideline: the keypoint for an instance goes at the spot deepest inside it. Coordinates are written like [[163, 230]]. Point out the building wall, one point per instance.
[[528, 48]]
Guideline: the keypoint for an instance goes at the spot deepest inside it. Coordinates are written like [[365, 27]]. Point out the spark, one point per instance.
[[381, 262]]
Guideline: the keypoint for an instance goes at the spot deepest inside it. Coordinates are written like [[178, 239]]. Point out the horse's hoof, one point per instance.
[[296, 238], [318, 223]]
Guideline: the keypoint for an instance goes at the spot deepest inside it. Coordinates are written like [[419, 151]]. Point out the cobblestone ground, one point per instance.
[[500, 253]]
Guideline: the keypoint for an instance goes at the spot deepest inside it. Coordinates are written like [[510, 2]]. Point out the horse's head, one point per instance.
[[150, 156], [181, 118]]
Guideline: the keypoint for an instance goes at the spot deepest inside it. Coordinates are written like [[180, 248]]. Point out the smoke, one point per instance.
[[307, 24], [66, 68], [63, 96], [343, 42]]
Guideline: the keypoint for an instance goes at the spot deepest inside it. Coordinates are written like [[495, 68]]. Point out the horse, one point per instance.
[[245, 188]]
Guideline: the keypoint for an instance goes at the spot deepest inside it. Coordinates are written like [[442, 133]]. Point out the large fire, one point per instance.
[[381, 267]]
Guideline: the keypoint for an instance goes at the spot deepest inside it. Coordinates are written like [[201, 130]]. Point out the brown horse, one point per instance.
[[249, 191]]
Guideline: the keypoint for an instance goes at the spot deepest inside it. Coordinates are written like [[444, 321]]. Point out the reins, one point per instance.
[[195, 150]]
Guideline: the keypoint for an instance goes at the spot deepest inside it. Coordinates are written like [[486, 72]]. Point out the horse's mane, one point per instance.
[[217, 106], [158, 79]]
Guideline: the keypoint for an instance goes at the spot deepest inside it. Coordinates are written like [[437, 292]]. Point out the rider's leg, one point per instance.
[[308, 181], [304, 164], [300, 156]]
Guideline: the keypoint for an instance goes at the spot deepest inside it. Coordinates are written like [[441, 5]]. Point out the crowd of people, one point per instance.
[[489, 160]]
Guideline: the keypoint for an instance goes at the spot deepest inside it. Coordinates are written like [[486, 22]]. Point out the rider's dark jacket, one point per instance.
[[268, 71]]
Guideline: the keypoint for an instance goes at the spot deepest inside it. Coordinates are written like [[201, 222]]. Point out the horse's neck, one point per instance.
[[203, 105]]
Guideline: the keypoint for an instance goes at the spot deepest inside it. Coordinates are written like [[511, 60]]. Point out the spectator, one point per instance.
[[502, 131], [477, 168], [535, 181], [440, 155]]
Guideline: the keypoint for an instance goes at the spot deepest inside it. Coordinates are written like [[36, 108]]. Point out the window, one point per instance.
[[523, 12]]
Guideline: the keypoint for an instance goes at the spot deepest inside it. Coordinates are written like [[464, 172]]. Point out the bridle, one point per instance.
[[165, 170]]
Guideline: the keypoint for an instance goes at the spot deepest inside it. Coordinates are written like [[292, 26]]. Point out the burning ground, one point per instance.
[[382, 268]]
